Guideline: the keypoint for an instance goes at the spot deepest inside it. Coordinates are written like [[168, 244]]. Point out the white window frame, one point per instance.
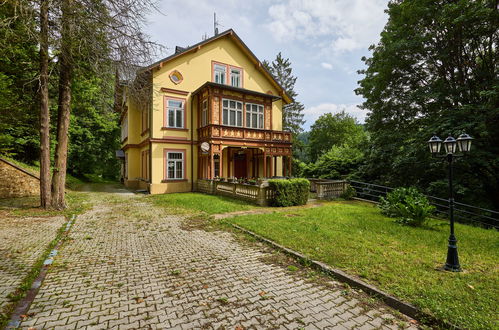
[[228, 109], [260, 115], [176, 111], [220, 73], [233, 76], [174, 161], [204, 113]]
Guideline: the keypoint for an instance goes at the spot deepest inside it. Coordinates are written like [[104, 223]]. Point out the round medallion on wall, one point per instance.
[[205, 147], [176, 77]]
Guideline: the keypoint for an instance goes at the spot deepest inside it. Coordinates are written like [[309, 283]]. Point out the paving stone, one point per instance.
[[22, 241], [131, 265]]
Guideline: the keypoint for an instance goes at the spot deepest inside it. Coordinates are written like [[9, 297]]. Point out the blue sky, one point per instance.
[[324, 40]]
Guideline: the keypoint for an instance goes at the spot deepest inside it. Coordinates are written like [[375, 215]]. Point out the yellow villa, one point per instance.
[[208, 111]]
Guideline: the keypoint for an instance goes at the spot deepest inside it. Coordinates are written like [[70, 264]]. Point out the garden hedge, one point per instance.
[[289, 192]]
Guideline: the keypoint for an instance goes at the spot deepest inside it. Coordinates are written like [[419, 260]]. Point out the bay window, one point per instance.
[[232, 112], [254, 115], [204, 113]]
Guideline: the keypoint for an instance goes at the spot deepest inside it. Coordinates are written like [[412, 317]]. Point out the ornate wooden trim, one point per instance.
[[174, 91]]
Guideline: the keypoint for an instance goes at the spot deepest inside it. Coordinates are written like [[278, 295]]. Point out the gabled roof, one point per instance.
[[231, 34]]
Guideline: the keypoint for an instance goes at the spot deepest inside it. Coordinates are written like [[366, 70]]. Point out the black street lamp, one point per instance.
[[463, 143]]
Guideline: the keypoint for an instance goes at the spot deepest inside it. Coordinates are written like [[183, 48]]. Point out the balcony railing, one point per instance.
[[243, 133], [260, 194]]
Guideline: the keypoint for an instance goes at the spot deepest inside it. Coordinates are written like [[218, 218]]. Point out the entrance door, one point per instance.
[[240, 166]]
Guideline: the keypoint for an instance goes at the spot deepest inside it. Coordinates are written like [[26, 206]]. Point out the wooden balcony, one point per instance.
[[220, 132]]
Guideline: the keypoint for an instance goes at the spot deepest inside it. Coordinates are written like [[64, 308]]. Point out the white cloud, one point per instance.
[[347, 24], [328, 66], [313, 113]]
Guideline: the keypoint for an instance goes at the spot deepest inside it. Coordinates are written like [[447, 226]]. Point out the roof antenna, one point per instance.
[[215, 23]]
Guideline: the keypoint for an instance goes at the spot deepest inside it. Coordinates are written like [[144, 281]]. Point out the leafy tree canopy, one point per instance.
[[435, 69], [334, 130], [340, 162]]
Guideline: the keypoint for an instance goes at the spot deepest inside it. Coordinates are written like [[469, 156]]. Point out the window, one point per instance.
[[204, 113], [174, 113], [145, 119], [254, 115], [227, 74], [232, 112], [235, 77], [219, 73], [216, 163], [176, 77], [174, 165], [124, 127]]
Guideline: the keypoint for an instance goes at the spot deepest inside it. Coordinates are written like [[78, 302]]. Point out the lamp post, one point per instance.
[[463, 143]]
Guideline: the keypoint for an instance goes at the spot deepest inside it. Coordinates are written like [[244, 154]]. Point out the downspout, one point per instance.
[[192, 144], [151, 130]]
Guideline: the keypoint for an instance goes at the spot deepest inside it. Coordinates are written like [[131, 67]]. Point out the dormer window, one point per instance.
[[235, 77], [219, 73]]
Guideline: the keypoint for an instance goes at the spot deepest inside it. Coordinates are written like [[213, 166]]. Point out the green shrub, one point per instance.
[[290, 192], [408, 205], [349, 193]]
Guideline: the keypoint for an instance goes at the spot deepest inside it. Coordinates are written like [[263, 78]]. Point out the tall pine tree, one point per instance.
[[292, 114]]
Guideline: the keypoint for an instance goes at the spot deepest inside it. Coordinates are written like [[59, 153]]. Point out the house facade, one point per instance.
[[210, 110]]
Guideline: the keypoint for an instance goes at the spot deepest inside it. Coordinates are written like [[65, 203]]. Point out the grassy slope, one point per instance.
[[355, 237], [208, 204], [71, 181]]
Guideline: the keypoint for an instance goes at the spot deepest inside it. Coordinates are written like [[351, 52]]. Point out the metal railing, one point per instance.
[[463, 213]]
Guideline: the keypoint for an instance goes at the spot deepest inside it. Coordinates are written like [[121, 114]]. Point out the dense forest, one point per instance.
[[59, 60], [93, 131]]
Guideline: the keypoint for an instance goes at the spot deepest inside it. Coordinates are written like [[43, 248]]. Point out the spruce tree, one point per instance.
[[292, 114]]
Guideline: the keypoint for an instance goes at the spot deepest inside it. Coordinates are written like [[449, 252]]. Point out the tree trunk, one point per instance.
[[64, 108], [45, 200]]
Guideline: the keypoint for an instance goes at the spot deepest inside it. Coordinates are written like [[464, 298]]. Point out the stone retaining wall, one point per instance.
[[17, 182]]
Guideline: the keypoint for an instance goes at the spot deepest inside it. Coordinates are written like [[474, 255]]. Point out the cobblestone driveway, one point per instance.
[[131, 265], [22, 242]]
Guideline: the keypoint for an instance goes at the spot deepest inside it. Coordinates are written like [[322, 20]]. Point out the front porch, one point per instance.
[[244, 162]]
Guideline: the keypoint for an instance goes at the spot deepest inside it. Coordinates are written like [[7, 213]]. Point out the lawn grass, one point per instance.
[[200, 203], [404, 261], [77, 203]]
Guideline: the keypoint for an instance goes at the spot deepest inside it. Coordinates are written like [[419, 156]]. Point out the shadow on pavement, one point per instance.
[[115, 188]]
